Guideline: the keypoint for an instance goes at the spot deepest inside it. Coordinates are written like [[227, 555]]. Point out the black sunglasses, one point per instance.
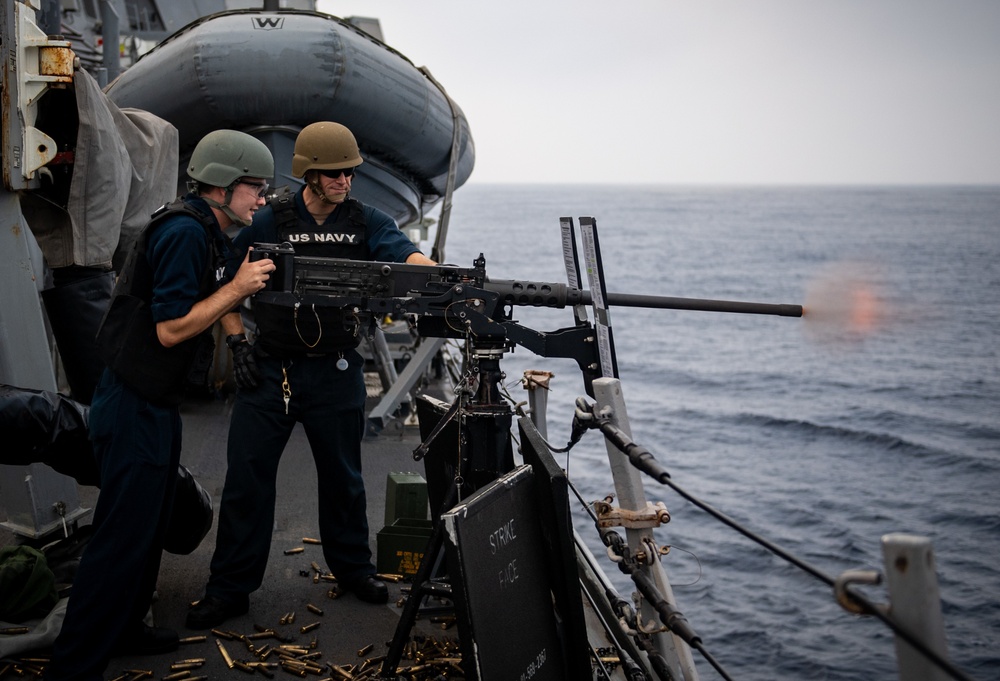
[[334, 174]]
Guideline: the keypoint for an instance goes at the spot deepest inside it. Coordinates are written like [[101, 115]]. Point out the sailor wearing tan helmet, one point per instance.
[[302, 369]]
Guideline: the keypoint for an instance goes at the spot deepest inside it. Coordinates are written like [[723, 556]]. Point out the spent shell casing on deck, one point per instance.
[[367, 649], [296, 671], [292, 552], [313, 609], [341, 673], [224, 653], [200, 638], [177, 676], [242, 666], [310, 540], [309, 627]]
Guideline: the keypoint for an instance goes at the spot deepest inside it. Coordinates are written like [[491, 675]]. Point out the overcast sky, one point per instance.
[[714, 91]]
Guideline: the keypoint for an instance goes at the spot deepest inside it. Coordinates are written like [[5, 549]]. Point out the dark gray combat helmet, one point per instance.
[[224, 156]]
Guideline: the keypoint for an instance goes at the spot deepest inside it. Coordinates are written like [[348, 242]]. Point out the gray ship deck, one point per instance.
[[347, 624]]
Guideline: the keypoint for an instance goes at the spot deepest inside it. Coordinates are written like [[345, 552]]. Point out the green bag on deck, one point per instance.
[[27, 585]]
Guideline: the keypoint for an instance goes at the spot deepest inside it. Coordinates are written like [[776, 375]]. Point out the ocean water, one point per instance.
[[878, 412]]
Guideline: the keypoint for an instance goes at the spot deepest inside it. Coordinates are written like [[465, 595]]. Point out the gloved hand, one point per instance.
[[245, 371]]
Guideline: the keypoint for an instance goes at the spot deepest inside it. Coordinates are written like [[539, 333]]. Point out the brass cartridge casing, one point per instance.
[[309, 627], [177, 676], [371, 661], [294, 670], [340, 672], [224, 653], [367, 649], [200, 638], [292, 552], [313, 609], [310, 540]]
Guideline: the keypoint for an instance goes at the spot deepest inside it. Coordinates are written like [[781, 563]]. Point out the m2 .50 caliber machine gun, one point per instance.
[[448, 301]]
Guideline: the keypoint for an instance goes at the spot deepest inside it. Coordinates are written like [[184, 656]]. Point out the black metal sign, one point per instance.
[[500, 584]]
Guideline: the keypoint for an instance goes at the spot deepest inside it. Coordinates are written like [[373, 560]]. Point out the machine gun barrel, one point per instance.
[[544, 294]]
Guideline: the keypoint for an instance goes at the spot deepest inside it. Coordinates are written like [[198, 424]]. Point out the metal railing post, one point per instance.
[[915, 603], [632, 497]]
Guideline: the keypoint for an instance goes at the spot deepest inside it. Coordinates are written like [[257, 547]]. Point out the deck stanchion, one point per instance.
[[915, 604]]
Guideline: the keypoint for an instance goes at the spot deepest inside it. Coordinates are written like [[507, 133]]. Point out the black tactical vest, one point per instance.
[[127, 340], [287, 330]]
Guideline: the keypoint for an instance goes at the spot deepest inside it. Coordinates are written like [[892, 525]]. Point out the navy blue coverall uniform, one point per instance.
[[137, 443], [328, 401]]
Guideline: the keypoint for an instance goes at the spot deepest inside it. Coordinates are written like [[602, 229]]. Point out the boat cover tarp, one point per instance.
[[125, 166]]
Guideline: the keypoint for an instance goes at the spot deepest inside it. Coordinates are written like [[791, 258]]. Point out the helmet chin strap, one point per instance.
[[317, 189], [224, 207]]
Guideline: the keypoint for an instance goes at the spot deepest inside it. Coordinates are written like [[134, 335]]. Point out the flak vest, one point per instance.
[[285, 329], [127, 340]]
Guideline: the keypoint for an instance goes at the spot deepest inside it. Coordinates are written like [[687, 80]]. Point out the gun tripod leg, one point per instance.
[[422, 587]]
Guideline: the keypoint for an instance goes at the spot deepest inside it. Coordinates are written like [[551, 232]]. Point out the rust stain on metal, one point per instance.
[[56, 62]]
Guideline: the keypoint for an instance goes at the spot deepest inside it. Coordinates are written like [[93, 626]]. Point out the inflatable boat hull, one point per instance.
[[272, 73]]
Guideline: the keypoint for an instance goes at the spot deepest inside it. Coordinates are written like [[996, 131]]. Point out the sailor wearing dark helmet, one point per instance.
[[169, 294], [302, 368]]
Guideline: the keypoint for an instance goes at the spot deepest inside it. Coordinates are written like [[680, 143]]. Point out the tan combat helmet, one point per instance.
[[325, 146]]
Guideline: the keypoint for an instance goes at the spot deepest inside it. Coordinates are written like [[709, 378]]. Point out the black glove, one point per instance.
[[245, 371]]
